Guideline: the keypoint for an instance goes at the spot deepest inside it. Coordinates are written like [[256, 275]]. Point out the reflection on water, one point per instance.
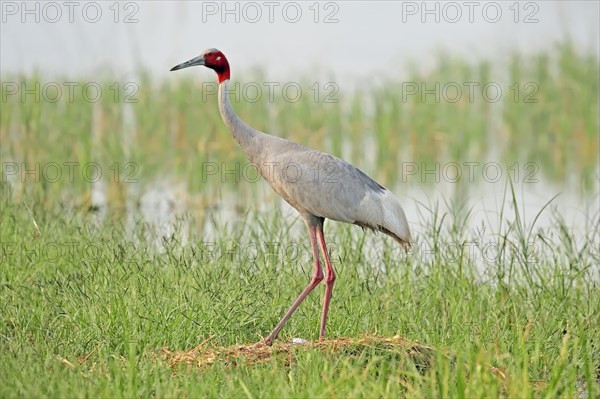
[[441, 218]]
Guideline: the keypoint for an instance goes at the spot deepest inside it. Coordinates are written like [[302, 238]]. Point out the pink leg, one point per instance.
[[316, 279], [328, 281]]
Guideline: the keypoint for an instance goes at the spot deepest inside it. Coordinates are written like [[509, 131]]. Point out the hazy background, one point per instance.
[[171, 131], [361, 39]]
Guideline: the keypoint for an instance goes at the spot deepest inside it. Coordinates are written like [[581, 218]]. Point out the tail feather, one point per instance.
[[405, 243], [392, 220]]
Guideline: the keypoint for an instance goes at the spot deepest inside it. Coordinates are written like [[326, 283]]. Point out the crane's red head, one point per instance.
[[211, 58]]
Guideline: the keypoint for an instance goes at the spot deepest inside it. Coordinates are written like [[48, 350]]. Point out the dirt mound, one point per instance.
[[204, 355]]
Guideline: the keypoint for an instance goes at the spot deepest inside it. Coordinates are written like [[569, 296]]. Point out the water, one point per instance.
[[367, 41], [480, 217]]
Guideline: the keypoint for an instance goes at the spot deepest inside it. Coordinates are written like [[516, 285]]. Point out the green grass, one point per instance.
[[548, 111], [89, 301], [93, 320]]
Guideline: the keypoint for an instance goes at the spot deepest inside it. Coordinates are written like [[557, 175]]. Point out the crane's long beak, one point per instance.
[[193, 62]]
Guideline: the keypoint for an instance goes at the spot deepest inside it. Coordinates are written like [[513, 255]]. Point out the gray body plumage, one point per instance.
[[317, 184]]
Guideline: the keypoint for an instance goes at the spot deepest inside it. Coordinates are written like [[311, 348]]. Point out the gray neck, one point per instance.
[[246, 136]]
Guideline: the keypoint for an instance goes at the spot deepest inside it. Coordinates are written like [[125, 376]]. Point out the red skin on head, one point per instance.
[[218, 63]]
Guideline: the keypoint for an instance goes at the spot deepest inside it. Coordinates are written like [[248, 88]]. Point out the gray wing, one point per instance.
[[324, 185], [320, 184]]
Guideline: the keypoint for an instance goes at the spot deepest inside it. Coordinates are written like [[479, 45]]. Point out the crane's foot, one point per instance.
[[266, 341]]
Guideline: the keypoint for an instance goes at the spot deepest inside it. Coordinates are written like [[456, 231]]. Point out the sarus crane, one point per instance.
[[318, 185]]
